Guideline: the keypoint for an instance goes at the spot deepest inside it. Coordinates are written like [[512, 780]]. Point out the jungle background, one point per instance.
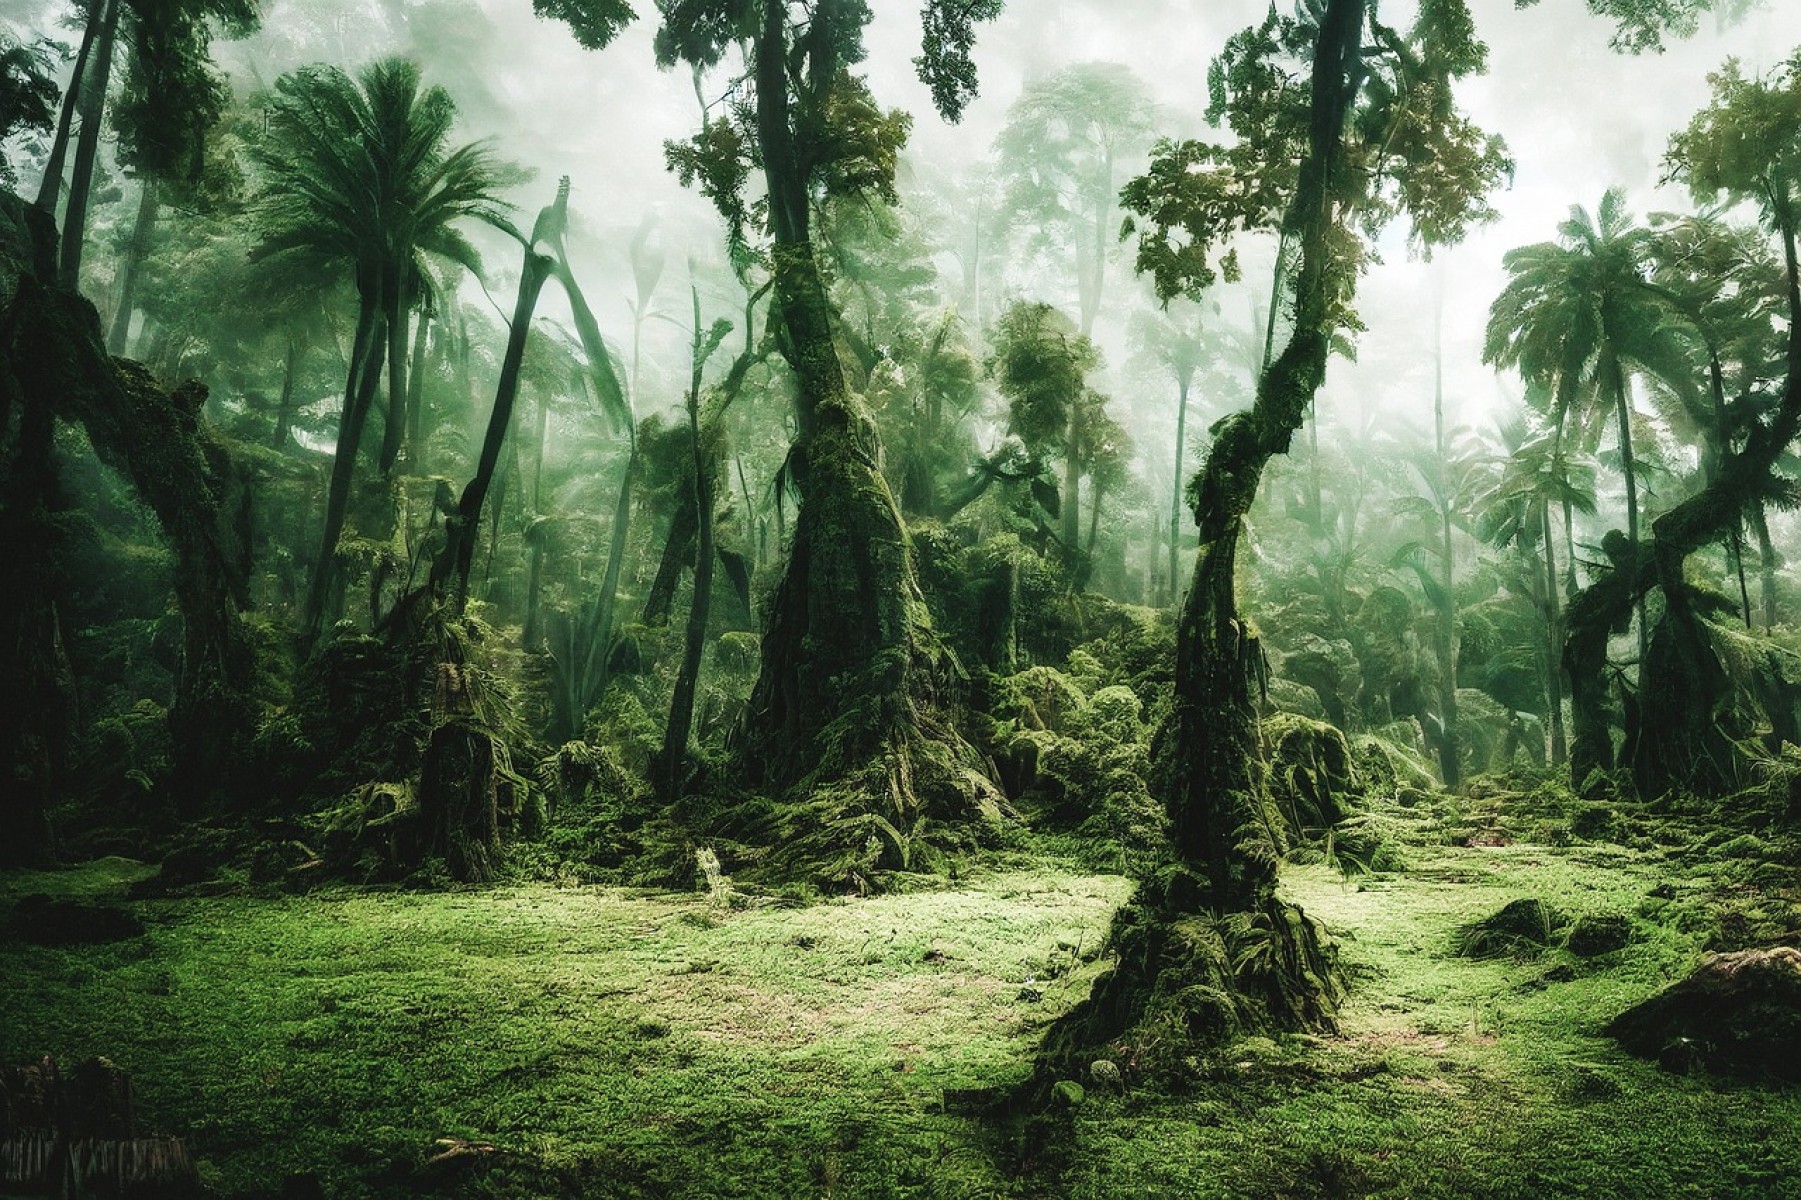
[[764, 599]]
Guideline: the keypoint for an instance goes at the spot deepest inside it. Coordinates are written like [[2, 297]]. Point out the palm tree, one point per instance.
[[358, 180], [1725, 286], [1533, 473], [1579, 316]]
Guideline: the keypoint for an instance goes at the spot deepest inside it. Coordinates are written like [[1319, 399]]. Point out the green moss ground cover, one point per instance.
[[615, 1043]]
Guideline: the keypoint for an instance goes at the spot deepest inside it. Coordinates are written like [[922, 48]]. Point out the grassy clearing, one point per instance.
[[610, 1043], [617, 1043]]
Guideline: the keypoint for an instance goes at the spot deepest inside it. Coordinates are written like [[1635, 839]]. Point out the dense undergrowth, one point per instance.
[[729, 1042]]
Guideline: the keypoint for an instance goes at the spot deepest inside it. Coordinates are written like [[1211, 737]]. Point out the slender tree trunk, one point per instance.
[[681, 704], [399, 294], [1767, 563], [50, 187], [87, 149], [415, 463], [359, 395], [1615, 377], [1176, 489], [1554, 640], [1445, 639], [450, 573], [535, 526], [284, 408], [118, 338], [678, 553]]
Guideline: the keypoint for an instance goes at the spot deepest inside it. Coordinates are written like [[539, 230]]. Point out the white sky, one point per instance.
[[1578, 119]]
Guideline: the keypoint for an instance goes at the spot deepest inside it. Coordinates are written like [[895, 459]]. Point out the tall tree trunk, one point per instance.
[[1554, 640], [1615, 377], [118, 338], [674, 758], [851, 680], [533, 635], [678, 554], [284, 407], [87, 148], [450, 572], [1206, 763], [415, 398], [1767, 564], [359, 396], [1445, 625], [50, 187], [399, 290], [1176, 488]]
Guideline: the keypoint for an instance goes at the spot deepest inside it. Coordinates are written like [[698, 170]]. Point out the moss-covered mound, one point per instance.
[[1522, 929], [1737, 1014]]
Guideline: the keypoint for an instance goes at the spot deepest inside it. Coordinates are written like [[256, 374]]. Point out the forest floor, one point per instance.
[[608, 1042]]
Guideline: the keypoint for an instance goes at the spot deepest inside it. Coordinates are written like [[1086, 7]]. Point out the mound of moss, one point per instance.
[[1737, 1014], [1521, 929]]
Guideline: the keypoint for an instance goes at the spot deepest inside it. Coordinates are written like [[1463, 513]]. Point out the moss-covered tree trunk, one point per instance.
[[56, 365], [1207, 948], [852, 678]]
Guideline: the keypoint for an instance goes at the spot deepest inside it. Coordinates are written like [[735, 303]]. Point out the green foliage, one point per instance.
[[1642, 25], [1410, 151], [595, 23], [28, 95], [1744, 145], [357, 173], [945, 63]]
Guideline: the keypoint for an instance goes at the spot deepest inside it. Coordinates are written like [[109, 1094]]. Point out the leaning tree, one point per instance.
[[1745, 147], [1344, 125]]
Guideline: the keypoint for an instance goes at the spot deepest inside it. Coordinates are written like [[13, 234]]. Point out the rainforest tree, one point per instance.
[[1343, 123], [854, 689], [358, 181], [1743, 146]]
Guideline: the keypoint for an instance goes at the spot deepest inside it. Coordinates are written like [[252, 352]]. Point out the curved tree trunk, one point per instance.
[[359, 397], [1206, 764]]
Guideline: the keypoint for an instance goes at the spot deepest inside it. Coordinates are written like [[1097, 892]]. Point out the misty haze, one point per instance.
[[900, 598]]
